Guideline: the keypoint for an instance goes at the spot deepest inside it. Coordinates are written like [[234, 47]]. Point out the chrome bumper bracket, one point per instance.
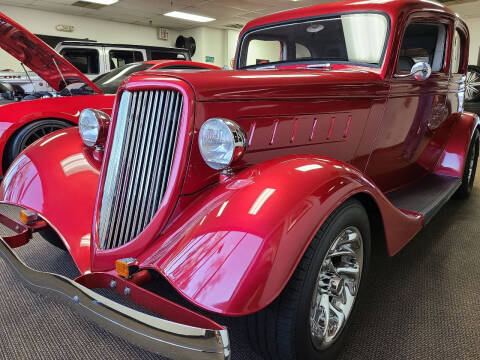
[[164, 337]]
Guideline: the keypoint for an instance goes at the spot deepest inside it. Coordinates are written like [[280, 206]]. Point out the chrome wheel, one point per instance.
[[336, 287], [472, 85]]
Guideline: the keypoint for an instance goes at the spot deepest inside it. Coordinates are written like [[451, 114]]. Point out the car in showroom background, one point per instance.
[[472, 89], [258, 192], [92, 58], [22, 123]]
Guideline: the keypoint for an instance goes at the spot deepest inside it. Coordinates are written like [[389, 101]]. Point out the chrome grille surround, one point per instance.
[[140, 162]]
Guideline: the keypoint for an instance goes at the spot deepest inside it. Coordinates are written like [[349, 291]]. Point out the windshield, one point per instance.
[[349, 38]]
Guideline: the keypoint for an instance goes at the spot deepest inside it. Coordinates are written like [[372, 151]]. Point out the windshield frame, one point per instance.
[[241, 54]]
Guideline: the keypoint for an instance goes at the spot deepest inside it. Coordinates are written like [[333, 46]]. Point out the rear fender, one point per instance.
[[236, 247], [452, 160], [57, 177]]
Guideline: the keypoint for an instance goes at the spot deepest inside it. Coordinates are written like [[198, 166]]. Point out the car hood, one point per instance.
[[38, 56], [276, 84]]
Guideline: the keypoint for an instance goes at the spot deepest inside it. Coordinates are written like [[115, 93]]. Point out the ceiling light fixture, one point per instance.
[[103, 2], [187, 16]]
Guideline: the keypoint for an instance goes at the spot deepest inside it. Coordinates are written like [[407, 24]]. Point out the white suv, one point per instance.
[[91, 58]]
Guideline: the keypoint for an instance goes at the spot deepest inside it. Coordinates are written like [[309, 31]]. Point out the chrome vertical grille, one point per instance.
[[140, 162]]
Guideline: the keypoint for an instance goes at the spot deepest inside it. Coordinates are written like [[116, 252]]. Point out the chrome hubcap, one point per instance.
[[336, 287], [472, 85]]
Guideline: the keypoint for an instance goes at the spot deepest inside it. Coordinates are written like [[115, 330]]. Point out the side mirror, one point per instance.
[[420, 71]]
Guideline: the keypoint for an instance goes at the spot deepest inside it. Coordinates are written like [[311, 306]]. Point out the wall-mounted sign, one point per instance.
[[65, 28], [162, 34], [209, 59]]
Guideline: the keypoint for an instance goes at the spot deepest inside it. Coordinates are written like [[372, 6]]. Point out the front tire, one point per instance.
[[330, 276], [27, 135]]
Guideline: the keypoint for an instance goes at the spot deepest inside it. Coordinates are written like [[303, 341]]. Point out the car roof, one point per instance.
[[391, 7], [95, 43]]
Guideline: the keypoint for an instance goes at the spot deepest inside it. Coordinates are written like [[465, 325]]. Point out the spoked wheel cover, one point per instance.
[[336, 288], [38, 132], [472, 85]]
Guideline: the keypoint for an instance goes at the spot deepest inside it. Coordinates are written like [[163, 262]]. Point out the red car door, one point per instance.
[[407, 147]]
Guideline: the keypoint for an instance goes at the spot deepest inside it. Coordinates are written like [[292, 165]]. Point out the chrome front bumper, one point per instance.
[[164, 337]]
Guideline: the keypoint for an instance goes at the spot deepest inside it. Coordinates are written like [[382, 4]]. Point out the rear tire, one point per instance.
[[470, 169], [27, 135], [284, 330]]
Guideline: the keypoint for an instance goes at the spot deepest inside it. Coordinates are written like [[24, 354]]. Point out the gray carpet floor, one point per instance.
[[421, 304]]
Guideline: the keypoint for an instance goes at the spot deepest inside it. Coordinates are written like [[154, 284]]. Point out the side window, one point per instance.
[[423, 43], [264, 52], [85, 60], [456, 53], [123, 57], [301, 52]]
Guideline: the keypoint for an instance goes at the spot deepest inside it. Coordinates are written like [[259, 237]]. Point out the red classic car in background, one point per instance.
[[21, 123], [256, 192]]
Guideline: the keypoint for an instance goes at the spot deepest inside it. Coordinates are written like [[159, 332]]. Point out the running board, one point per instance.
[[426, 196]]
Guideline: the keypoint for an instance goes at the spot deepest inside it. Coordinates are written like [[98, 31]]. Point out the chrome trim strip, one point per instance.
[[167, 338]]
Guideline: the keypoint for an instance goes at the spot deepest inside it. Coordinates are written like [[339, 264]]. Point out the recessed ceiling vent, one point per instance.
[[235, 26], [88, 5]]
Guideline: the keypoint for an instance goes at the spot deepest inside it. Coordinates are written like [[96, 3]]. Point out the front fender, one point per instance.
[[56, 178], [237, 246]]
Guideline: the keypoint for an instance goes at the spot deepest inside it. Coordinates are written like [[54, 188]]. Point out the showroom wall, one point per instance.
[[216, 43], [43, 22], [474, 28]]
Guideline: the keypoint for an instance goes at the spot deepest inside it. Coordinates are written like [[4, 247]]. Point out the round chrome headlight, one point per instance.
[[93, 126], [221, 142]]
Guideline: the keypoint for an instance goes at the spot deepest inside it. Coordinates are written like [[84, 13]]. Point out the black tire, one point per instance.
[[52, 237], [473, 77], [470, 169], [282, 330], [27, 135]]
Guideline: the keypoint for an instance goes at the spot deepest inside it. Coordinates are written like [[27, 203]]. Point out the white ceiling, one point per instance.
[[146, 12]]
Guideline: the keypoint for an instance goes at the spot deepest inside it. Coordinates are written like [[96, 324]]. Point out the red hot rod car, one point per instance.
[[257, 192], [21, 123]]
